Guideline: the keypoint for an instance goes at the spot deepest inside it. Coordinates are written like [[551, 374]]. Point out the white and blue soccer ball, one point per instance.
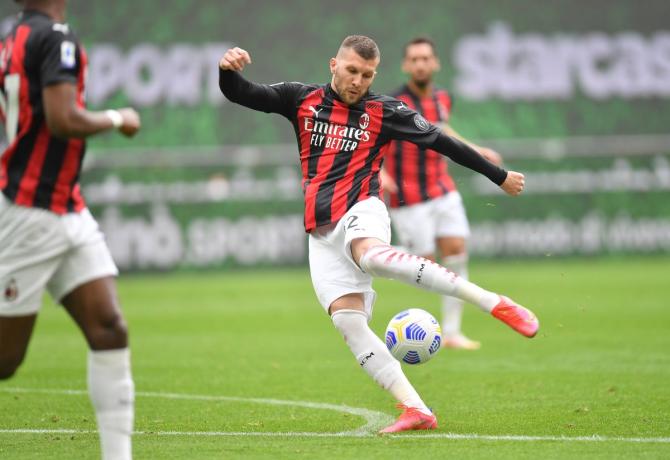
[[413, 336]]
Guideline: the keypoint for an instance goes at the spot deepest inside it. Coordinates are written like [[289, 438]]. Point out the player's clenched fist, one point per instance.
[[234, 59], [131, 122], [514, 183]]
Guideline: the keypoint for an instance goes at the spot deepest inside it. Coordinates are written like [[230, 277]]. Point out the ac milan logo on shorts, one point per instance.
[[364, 121], [11, 290]]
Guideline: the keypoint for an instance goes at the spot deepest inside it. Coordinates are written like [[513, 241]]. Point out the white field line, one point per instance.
[[374, 420]]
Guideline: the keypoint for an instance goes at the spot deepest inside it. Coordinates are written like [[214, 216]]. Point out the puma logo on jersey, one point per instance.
[[316, 112]]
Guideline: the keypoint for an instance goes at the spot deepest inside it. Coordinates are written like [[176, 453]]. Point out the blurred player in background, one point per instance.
[[48, 238], [421, 189], [342, 131]]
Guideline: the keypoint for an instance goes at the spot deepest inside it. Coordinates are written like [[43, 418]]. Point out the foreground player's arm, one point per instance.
[[266, 98], [60, 65], [67, 120], [410, 126]]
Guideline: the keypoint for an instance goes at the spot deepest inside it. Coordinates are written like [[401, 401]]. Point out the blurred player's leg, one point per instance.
[[95, 309], [452, 308], [15, 334]]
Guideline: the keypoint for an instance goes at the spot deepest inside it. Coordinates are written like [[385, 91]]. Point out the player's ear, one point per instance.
[[333, 65]]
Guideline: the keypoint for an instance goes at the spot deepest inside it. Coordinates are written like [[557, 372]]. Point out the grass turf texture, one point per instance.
[[599, 366]]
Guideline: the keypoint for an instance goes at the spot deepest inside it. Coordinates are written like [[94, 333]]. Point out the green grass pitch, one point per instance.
[[218, 357]]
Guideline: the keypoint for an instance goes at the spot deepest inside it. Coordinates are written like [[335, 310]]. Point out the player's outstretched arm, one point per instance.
[[511, 182], [66, 119], [488, 153], [276, 98]]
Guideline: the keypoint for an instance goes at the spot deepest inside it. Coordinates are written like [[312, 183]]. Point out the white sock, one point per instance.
[[452, 307], [375, 359], [112, 392], [389, 262]]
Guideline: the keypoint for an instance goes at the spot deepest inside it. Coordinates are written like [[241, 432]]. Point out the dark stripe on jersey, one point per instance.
[[70, 176], [312, 100], [361, 187], [30, 181], [48, 176], [304, 136], [340, 115], [398, 171], [25, 129], [421, 158], [69, 170], [17, 164], [436, 102], [317, 151]]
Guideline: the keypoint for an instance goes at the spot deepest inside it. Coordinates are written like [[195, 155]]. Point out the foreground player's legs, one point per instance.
[[455, 258], [95, 309], [15, 334], [350, 319], [379, 259]]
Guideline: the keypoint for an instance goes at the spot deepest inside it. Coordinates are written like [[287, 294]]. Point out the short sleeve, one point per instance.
[[60, 58], [409, 125]]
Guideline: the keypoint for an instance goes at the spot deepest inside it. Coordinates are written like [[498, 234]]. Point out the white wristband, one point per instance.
[[115, 117]]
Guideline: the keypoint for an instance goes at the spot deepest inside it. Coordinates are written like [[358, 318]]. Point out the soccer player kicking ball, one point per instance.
[[343, 130], [48, 238]]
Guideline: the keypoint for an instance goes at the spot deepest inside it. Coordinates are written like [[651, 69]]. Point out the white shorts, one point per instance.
[[334, 272], [418, 226], [40, 249]]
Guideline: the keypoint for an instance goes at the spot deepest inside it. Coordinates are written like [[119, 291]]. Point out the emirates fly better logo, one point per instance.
[[335, 136]]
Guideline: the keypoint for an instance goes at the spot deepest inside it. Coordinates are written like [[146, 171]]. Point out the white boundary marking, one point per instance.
[[374, 421]]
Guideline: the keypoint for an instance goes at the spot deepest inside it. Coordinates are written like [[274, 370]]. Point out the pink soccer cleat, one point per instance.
[[517, 317], [411, 419]]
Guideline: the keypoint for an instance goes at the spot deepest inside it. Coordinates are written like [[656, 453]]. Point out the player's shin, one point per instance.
[[112, 393], [389, 262], [375, 359]]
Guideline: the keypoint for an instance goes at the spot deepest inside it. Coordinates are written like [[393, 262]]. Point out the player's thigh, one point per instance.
[[336, 278], [451, 218], [367, 220], [414, 228]]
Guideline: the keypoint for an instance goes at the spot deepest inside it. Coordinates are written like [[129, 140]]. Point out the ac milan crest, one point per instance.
[[11, 290], [364, 121]]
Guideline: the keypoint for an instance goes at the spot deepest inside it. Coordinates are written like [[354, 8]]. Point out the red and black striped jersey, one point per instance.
[[420, 174], [342, 146], [38, 169]]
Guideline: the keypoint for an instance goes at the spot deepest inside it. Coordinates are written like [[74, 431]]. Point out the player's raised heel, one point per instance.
[[517, 317], [411, 419]]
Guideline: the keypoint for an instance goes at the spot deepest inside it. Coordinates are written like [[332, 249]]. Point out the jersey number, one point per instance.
[[10, 105]]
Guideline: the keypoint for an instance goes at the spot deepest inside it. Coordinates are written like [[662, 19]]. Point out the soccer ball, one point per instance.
[[413, 336]]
